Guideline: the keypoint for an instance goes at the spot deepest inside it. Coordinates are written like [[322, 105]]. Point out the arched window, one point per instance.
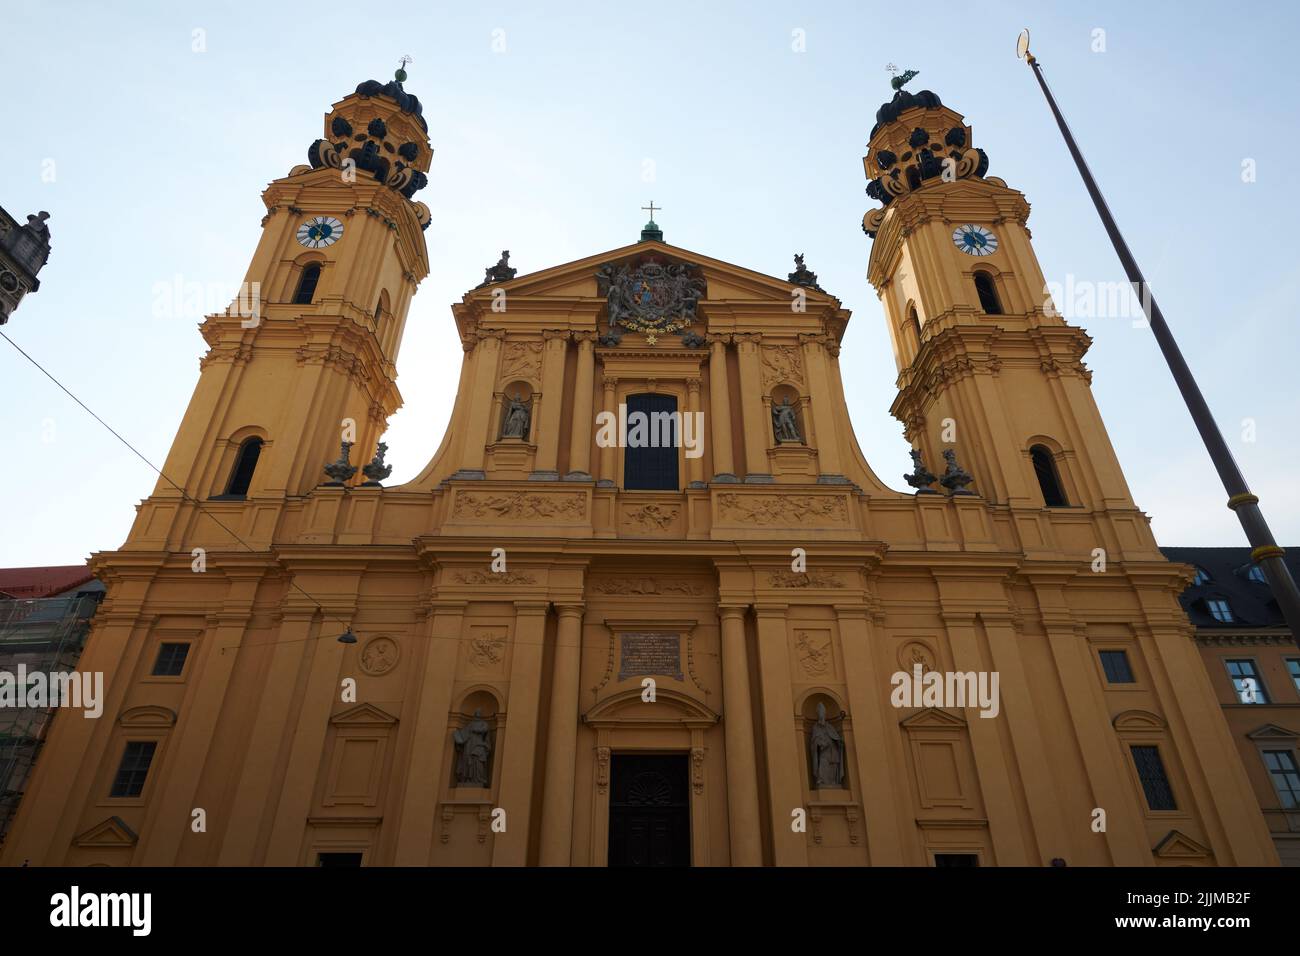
[[1048, 480], [245, 463], [988, 294], [307, 284], [379, 310], [915, 323]]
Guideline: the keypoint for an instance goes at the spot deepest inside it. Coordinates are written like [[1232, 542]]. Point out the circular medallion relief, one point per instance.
[[913, 653], [379, 656]]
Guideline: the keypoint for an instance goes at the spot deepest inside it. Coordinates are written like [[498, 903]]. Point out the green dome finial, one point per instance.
[[400, 74]]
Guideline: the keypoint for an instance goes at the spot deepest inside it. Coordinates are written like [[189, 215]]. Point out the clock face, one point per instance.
[[975, 240], [320, 231]]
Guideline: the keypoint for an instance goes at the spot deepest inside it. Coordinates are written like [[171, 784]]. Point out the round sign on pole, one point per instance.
[[1022, 43]]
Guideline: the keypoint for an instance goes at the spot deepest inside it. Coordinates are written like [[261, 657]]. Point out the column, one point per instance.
[[583, 426], [785, 764], [254, 795], [429, 760], [997, 782], [881, 782], [477, 425], [608, 463], [823, 412], [751, 409], [546, 426], [695, 466], [738, 726], [562, 740], [517, 756], [720, 410]]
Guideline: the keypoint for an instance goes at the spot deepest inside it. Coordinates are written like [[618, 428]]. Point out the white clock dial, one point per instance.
[[320, 231], [975, 240]]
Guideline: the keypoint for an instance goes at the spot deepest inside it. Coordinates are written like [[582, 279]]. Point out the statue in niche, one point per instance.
[[515, 424], [826, 753], [475, 746], [784, 424]]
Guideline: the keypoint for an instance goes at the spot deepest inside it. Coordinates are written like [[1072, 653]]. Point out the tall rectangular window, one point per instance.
[[650, 458], [1286, 777], [171, 659], [1293, 668], [1245, 678], [1115, 664], [1151, 771], [134, 768]]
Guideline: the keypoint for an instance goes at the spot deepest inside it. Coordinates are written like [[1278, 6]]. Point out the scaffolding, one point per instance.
[[45, 635]]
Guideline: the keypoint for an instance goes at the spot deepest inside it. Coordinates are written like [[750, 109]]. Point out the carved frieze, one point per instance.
[[645, 586], [519, 505], [495, 577], [651, 517], [803, 579], [783, 510]]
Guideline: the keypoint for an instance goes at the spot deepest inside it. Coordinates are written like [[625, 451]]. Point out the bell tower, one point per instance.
[[987, 367], [305, 357]]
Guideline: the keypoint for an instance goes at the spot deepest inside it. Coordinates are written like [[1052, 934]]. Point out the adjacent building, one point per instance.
[[44, 620], [1254, 667]]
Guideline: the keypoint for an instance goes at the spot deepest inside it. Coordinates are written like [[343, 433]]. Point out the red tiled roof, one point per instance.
[[42, 582]]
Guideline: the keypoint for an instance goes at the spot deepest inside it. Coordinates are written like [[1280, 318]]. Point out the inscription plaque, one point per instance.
[[650, 652]]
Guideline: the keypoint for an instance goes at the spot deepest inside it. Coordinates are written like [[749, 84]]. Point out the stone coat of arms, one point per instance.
[[649, 296]]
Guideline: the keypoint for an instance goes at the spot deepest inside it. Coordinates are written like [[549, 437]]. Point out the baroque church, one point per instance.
[[558, 647]]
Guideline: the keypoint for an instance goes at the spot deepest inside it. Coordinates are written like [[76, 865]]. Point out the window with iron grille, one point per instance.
[[1151, 771], [1286, 777], [1116, 666], [652, 464], [134, 768]]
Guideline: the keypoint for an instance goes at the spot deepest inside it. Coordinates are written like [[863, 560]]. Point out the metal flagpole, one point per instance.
[[1264, 550]]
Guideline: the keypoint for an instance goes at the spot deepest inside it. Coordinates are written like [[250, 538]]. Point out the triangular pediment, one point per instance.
[[363, 715], [932, 717], [1272, 732], [1177, 845], [112, 832], [725, 281]]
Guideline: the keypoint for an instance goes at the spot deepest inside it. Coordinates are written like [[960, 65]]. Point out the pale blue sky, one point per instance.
[[160, 155]]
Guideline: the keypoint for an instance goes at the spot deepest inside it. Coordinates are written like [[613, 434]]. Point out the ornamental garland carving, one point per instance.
[[782, 365], [785, 510], [519, 505]]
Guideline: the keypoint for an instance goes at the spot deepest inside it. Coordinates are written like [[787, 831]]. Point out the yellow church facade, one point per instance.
[[648, 604]]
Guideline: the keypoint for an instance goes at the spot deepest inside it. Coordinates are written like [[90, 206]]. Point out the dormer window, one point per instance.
[[1220, 610], [1202, 577], [1256, 574]]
